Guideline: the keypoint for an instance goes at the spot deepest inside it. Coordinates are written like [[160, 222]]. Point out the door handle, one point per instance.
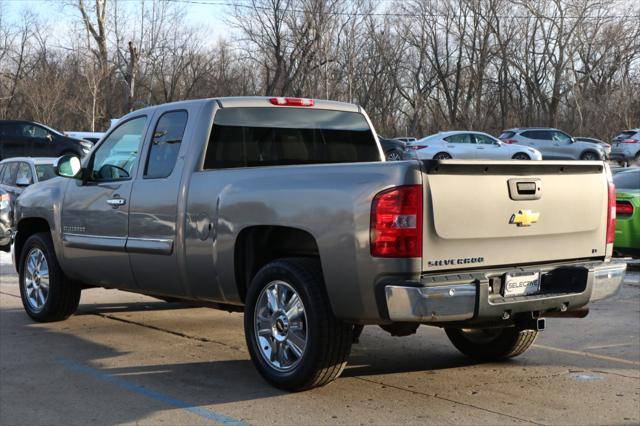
[[116, 202]]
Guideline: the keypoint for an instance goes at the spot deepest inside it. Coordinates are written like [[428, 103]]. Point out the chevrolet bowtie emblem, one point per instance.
[[524, 218]]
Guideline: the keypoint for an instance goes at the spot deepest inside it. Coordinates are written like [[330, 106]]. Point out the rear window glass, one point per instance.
[[625, 135], [627, 180], [506, 135], [250, 137]]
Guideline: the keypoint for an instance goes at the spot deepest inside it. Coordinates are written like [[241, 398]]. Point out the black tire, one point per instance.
[[328, 340], [63, 295], [491, 344], [442, 156], [394, 155], [521, 156], [589, 156]]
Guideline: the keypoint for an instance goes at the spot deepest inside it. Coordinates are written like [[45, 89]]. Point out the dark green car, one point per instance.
[[627, 241]]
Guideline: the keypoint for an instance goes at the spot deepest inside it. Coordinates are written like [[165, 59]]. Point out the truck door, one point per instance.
[[95, 212], [153, 217]]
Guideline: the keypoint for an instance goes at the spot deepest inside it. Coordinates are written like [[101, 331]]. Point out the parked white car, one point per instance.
[[471, 146]]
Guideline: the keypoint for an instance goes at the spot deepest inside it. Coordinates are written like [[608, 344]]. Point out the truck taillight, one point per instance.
[[611, 214], [303, 102], [624, 208], [396, 222]]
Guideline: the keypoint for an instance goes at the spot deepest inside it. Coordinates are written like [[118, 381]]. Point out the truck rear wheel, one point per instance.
[[293, 338], [47, 294], [491, 344]]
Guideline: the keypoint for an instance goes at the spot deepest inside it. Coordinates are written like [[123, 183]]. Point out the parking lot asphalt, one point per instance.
[[125, 358]]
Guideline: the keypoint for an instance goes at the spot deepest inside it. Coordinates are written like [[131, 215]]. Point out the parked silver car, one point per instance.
[[470, 145], [625, 146], [554, 144]]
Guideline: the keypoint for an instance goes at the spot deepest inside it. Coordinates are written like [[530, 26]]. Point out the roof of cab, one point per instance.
[[252, 102]]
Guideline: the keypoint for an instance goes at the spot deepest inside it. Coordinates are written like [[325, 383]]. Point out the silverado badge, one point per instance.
[[524, 218]]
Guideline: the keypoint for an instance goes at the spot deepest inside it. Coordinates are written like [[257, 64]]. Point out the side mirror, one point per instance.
[[68, 166], [22, 182], [49, 137], [572, 140]]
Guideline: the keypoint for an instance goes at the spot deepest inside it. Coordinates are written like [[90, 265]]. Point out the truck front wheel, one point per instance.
[[293, 338], [491, 344], [47, 294]]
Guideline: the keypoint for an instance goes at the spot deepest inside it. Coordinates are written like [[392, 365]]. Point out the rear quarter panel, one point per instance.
[[331, 202]]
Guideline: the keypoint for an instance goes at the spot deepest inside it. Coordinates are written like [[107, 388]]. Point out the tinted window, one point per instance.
[[627, 180], [248, 137], [24, 175], [9, 174], [461, 138], [506, 135], [31, 131], [537, 134], [483, 139], [165, 144], [115, 157], [45, 172]]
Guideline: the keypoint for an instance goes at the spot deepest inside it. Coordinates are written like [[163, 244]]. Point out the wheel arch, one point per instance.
[[256, 246], [26, 228]]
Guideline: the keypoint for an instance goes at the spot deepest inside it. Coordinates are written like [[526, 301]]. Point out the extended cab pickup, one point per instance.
[[284, 208]]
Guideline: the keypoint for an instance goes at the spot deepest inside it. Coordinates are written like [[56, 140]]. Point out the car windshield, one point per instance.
[[627, 180], [45, 172]]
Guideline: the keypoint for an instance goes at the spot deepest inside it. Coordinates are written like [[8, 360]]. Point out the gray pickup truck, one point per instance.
[[285, 209]]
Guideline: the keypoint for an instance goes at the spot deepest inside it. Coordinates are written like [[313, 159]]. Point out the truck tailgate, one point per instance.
[[485, 214]]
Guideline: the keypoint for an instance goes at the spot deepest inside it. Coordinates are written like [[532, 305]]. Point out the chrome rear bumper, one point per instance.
[[470, 296]]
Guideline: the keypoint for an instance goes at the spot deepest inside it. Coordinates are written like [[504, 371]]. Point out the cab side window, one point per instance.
[[165, 144], [24, 176], [115, 157]]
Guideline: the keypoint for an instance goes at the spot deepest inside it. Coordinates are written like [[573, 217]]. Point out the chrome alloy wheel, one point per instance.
[[280, 326], [36, 279]]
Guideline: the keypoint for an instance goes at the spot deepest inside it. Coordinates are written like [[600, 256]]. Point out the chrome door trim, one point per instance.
[[94, 242], [162, 246]]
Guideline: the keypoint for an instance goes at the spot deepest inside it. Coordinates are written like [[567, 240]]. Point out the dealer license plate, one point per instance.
[[521, 284]]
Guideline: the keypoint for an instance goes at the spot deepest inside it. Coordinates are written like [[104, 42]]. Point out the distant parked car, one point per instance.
[[92, 137], [30, 139], [627, 242], [625, 147], [6, 220], [406, 139], [19, 172], [470, 145], [554, 144], [603, 144], [395, 150]]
